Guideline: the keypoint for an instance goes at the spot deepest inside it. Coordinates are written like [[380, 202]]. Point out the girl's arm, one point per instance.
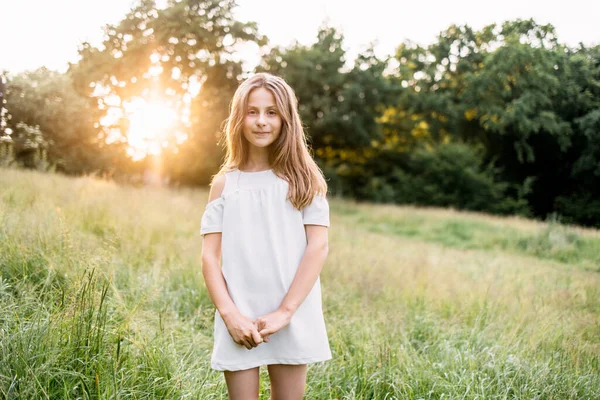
[[306, 276], [241, 328], [309, 269]]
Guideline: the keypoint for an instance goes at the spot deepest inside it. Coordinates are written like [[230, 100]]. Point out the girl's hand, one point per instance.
[[242, 329], [272, 322]]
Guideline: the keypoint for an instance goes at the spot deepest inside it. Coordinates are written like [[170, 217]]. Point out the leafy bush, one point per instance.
[[454, 175], [449, 175]]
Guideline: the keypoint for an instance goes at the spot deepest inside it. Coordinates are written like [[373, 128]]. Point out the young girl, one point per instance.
[[266, 219]]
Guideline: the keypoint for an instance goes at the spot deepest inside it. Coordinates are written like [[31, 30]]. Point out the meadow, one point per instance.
[[102, 296]]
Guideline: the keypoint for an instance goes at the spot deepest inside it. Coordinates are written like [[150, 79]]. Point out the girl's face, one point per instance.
[[262, 123]]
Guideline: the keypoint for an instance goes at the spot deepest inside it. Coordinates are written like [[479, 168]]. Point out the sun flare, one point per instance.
[[151, 125]]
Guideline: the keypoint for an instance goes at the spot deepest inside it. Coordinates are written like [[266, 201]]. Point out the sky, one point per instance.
[[43, 32]]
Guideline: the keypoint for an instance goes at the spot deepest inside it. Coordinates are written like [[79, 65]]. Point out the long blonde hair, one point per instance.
[[289, 156]]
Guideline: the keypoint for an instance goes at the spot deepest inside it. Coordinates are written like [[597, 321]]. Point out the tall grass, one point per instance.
[[101, 296]]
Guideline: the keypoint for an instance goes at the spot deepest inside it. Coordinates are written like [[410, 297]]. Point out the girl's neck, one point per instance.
[[256, 161]]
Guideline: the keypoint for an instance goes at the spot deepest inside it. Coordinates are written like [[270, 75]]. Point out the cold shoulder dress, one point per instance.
[[263, 241]]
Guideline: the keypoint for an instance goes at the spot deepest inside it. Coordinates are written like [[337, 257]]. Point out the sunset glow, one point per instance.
[[151, 125]]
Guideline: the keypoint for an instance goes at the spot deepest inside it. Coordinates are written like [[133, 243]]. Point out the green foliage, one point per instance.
[[48, 101], [513, 96], [30, 146], [514, 89], [454, 175], [579, 208], [449, 175]]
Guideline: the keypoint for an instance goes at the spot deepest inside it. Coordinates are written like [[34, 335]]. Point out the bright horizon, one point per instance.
[[58, 27]]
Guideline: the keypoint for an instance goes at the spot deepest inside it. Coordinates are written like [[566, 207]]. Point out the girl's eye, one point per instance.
[[251, 112], [272, 112]]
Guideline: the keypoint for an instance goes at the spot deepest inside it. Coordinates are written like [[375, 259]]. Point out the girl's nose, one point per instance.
[[261, 119]]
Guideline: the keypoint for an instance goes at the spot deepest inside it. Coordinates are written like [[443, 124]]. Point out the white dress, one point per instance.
[[263, 241]]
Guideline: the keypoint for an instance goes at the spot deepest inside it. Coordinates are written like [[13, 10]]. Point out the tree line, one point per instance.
[[504, 120]]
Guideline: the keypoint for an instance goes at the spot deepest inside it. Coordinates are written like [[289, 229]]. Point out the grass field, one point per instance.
[[101, 296]]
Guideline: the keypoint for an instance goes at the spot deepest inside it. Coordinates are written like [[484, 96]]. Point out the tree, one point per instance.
[[170, 54], [512, 88], [579, 102], [67, 121]]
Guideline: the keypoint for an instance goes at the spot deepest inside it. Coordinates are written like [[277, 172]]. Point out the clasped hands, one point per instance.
[[248, 333]]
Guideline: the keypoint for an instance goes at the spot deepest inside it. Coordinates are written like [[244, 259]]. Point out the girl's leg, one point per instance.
[[242, 385], [287, 381]]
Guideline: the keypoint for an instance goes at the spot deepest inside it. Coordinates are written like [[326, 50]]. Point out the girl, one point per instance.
[[266, 219]]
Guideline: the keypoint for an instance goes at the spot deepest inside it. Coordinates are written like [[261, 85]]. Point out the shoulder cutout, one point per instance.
[[216, 188]]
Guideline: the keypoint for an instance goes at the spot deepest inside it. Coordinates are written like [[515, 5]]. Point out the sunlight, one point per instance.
[[150, 125]]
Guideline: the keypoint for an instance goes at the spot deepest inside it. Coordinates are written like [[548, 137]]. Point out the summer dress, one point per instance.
[[263, 241]]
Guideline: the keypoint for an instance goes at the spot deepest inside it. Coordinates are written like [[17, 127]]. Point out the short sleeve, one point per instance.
[[212, 219], [317, 212]]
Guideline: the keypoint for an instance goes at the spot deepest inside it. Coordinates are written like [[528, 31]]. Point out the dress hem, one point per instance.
[[293, 361]]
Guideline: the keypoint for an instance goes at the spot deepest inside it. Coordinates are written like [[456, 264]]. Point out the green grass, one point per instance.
[[101, 296], [553, 241]]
